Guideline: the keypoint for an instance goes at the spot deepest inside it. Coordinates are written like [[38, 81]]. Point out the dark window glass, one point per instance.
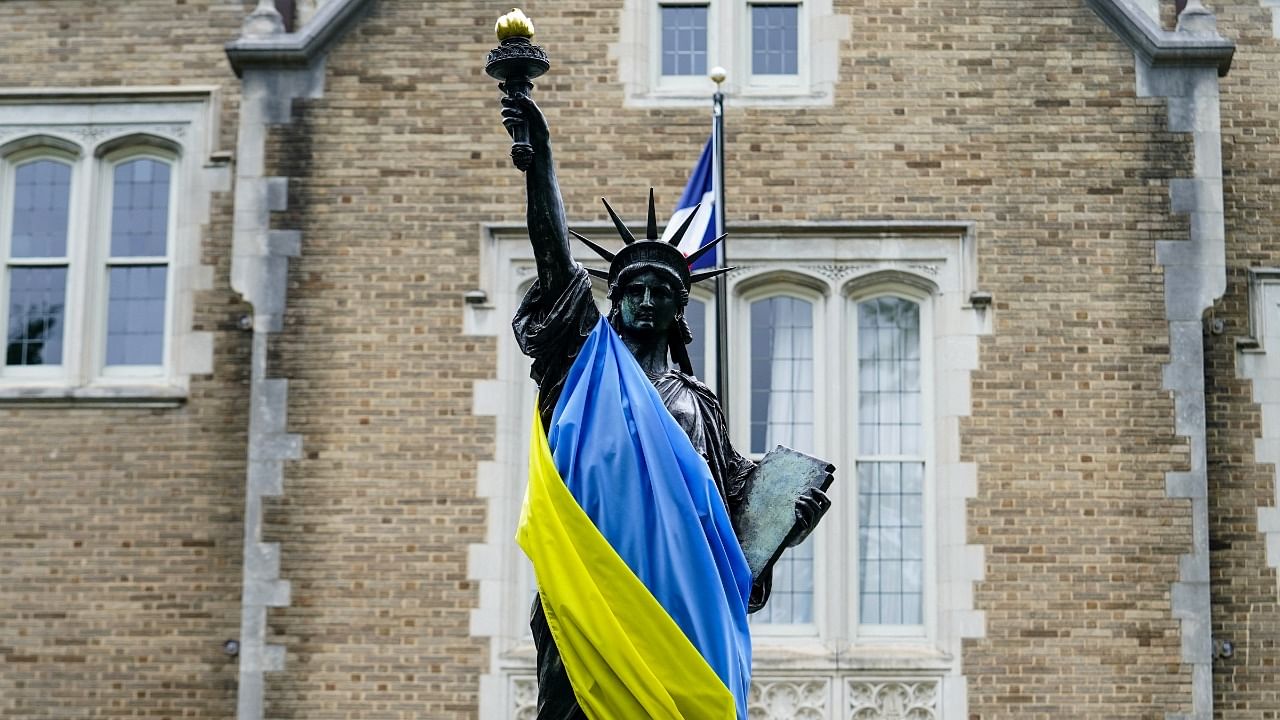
[[781, 374], [140, 209], [891, 543], [684, 39], [41, 201], [135, 315], [696, 315], [775, 33], [37, 297]]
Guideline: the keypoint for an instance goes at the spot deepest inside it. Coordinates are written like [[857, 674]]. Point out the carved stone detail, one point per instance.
[[524, 698], [788, 700], [91, 134], [836, 272], [892, 700]]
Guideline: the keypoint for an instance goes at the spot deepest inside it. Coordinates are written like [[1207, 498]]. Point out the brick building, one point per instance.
[[1009, 264]]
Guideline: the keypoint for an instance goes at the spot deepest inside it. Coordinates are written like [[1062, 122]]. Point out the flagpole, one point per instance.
[[722, 283]]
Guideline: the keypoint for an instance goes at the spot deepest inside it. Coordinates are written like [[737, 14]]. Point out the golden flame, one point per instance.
[[514, 24]]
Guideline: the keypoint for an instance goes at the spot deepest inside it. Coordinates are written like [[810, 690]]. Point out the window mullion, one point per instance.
[[86, 216]]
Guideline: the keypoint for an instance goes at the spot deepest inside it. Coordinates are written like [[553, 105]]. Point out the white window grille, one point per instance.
[[101, 202]]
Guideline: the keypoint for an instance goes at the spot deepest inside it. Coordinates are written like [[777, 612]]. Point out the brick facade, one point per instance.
[[120, 527]]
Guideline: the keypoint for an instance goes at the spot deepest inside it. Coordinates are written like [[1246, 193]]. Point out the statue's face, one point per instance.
[[648, 306]]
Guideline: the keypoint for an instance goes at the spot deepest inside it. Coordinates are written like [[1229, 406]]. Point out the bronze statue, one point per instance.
[[647, 292], [648, 289]]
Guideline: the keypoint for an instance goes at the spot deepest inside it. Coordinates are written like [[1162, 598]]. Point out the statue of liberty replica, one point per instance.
[[640, 516]]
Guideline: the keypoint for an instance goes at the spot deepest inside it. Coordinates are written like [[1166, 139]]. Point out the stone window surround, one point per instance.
[[638, 53], [1259, 363], [934, 254], [98, 126], [834, 295]]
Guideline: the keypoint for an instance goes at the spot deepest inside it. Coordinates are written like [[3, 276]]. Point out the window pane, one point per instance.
[[140, 209], [782, 414], [41, 197], [891, 543], [791, 599], [889, 421], [774, 39], [696, 315], [37, 297], [781, 374], [684, 40], [135, 315]]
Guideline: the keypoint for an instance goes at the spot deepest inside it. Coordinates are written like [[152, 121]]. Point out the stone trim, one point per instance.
[[1259, 363], [92, 123], [1184, 66], [299, 48], [814, 86], [1157, 47], [839, 252], [1274, 5], [274, 71]]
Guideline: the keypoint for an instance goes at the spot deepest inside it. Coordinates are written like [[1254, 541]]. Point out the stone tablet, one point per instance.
[[766, 520]]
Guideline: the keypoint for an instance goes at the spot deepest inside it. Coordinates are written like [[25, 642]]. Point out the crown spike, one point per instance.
[[627, 237], [652, 233], [608, 256], [595, 272], [679, 235], [707, 274], [693, 256]]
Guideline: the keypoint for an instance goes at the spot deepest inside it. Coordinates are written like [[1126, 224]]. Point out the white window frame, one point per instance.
[[683, 84], [767, 84], [639, 53], [857, 292], [784, 284], [11, 158], [847, 261], [99, 283], [96, 131]]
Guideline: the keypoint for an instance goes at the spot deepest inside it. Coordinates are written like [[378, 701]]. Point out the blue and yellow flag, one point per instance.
[[642, 579]]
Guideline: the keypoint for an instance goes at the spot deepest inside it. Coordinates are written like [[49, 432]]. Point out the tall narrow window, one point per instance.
[[695, 313], [37, 263], [775, 39], [782, 414], [137, 268], [684, 39], [890, 464]]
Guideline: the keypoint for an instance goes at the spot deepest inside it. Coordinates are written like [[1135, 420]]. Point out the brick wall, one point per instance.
[[120, 533], [1245, 590], [119, 572], [1019, 117]]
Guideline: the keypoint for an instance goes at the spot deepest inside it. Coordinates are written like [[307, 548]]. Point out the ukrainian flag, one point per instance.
[[642, 579]]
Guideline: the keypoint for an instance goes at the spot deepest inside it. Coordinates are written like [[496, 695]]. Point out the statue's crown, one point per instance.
[[652, 250]]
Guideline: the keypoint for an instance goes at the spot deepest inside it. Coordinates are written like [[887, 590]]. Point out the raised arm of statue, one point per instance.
[[548, 230]]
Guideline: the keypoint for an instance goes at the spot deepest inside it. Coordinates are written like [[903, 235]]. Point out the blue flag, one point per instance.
[[703, 228], [641, 576]]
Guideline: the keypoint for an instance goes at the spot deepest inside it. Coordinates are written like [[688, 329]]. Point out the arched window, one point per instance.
[[103, 201], [36, 194], [137, 262], [834, 350], [89, 240], [701, 316], [781, 372], [890, 463]]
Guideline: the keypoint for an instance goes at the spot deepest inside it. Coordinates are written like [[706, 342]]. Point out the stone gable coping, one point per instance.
[[300, 47], [1158, 47]]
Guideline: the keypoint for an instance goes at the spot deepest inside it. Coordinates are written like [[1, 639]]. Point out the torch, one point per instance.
[[515, 63]]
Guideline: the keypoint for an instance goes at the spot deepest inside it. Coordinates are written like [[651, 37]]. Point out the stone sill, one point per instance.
[[780, 98], [134, 395], [808, 657]]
